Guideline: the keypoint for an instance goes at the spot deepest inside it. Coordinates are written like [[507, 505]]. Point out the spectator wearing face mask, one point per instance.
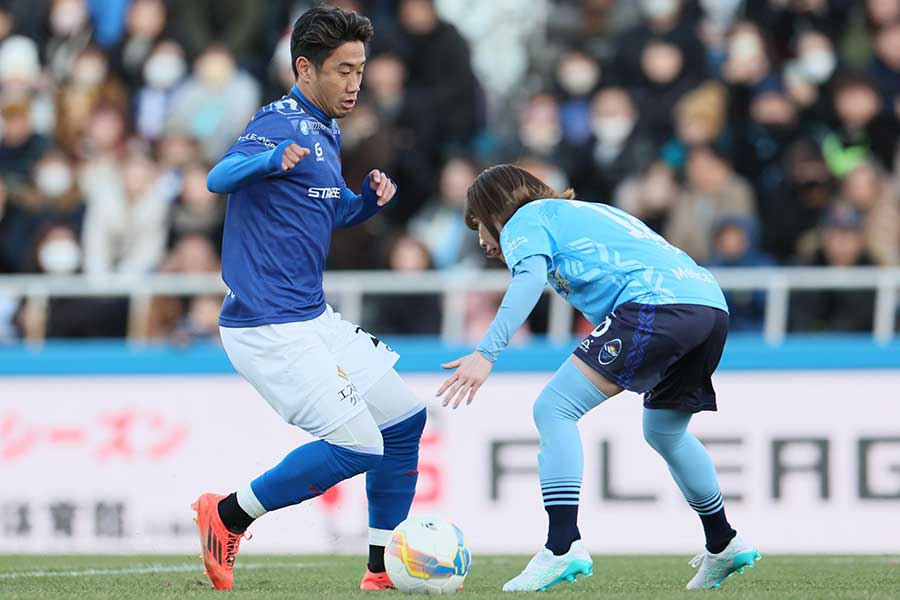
[[809, 77], [713, 191], [57, 252], [862, 130], [163, 71], [842, 244], [53, 197], [617, 147], [215, 101]]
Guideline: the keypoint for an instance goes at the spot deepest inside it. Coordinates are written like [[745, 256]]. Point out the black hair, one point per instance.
[[321, 29]]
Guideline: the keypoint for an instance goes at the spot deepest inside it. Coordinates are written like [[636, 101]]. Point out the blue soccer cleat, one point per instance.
[[716, 568]]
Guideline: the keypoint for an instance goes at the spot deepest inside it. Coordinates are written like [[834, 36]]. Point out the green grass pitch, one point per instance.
[[300, 577]]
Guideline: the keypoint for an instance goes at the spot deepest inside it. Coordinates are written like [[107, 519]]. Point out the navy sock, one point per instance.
[[234, 517], [718, 532], [563, 528], [376, 559]]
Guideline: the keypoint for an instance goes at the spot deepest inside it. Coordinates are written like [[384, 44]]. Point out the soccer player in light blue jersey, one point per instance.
[[319, 372], [661, 326]]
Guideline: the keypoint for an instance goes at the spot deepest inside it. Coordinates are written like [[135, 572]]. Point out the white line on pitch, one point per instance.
[[149, 569]]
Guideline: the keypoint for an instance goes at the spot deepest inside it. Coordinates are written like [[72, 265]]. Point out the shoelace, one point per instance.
[[697, 560], [231, 546]]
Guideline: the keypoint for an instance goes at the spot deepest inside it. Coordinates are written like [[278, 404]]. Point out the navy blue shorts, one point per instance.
[[666, 352]]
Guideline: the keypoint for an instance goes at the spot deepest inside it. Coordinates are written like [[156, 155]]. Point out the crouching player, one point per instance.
[[662, 322]]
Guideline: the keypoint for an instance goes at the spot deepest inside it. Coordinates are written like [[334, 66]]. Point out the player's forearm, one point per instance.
[[357, 208], [238, 170], [523, 294]]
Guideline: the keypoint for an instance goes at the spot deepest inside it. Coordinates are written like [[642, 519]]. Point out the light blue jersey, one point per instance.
[[600, 257]]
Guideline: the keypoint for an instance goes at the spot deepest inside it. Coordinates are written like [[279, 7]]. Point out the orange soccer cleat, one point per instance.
[[219, 545], [375, 581]]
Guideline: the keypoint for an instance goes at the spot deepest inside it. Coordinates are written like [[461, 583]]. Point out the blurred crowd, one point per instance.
[[747, 132]]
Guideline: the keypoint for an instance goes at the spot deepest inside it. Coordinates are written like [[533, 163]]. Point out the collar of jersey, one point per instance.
[[310, 107]]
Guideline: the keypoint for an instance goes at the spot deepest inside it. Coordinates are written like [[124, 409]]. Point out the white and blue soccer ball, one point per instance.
[[427, 555]]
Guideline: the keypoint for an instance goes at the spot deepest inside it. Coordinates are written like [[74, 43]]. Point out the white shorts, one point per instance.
[[313, 373]]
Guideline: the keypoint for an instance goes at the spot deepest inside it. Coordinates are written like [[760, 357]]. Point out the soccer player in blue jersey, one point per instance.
[[319, 372], [661, 327]]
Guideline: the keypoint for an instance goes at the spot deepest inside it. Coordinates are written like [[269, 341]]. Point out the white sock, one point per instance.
[[379, 537], [250, 504]]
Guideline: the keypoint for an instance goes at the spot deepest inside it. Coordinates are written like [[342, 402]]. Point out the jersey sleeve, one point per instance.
[[524, 236], [264, 132]]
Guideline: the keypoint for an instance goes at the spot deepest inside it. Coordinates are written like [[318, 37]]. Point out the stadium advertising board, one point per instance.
[[809, 462]]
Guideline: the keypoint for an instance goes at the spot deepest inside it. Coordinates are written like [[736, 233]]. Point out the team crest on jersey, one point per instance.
[[610, 351], [560, 283]]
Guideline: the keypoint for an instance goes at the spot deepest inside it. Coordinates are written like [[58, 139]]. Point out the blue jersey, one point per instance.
[[278, 229], [600, 257]]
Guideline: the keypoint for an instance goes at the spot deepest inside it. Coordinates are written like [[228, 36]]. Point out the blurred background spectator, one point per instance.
[[748, 133]]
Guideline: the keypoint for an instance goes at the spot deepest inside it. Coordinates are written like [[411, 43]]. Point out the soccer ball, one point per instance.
[[427, 555]]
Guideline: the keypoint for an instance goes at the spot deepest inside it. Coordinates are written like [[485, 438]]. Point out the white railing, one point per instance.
[[347, 289]]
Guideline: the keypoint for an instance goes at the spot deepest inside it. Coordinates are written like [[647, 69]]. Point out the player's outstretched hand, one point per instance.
[[383, 187], [292, 155], [471, 371]]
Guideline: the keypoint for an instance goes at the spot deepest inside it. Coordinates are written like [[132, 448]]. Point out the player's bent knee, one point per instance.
[[407, 432], [664, 430], [353, 462], [548, 409]]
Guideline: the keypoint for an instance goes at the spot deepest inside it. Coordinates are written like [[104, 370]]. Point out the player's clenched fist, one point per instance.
[[293, 154], [383, 187]]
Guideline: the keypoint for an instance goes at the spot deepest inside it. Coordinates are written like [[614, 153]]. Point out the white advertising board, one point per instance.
[[809, 462]]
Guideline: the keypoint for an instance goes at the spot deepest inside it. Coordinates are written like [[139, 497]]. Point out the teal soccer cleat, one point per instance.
[[716, 568], [545, 570]]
